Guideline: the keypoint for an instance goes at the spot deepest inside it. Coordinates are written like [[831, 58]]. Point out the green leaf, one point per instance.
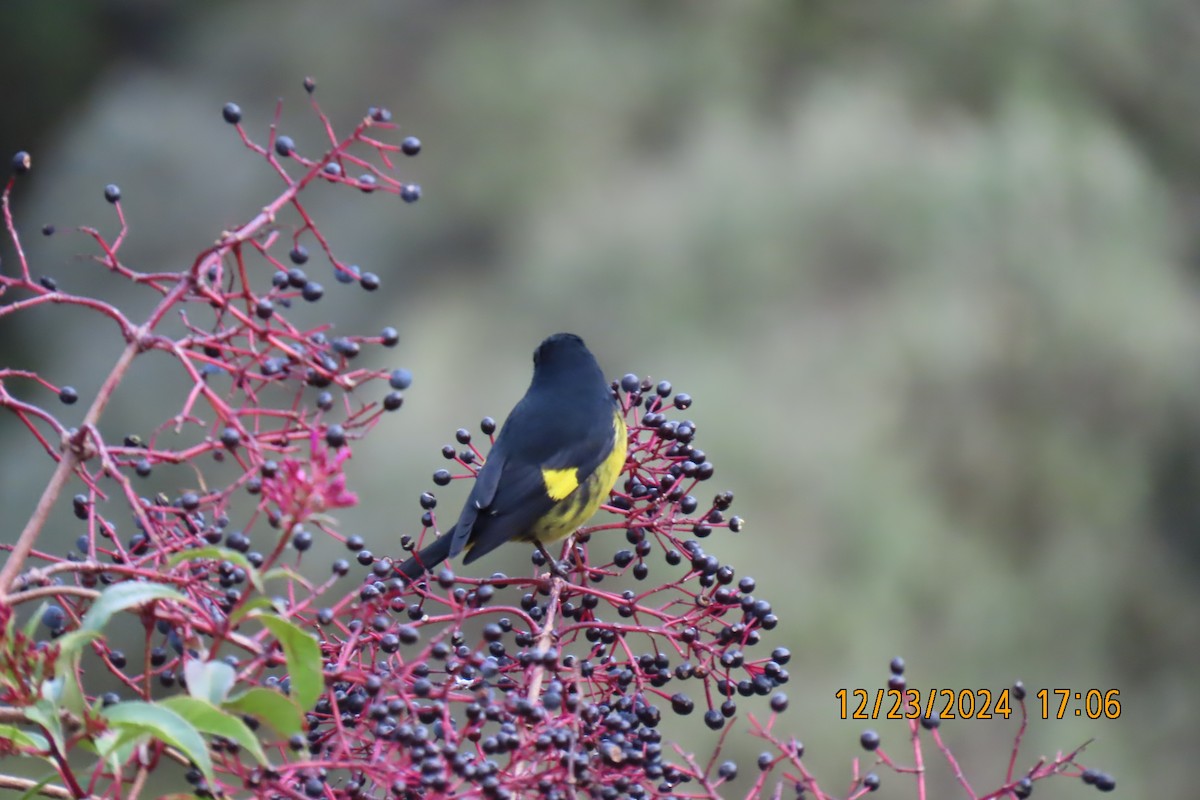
[[71, 644], [121, 596], [36, 789], [24, 738], [64, 690], [31, 624], [272, 707], [72, 692], [207, 718], [303, 656], [220, 554], [284, 572], [45, 713], [248, 608], [209, 680], [136, 717], [51, 690], [114, 746]]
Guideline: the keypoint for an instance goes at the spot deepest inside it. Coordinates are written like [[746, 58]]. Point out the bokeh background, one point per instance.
[[929, 269]]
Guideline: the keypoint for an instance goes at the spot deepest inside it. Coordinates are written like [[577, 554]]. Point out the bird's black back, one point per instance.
[[565, 420]]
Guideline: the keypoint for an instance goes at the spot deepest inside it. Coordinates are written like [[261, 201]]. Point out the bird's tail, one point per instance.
[[429, 557]]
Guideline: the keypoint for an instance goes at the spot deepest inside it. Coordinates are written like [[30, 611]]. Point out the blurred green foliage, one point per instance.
[[929, 269]]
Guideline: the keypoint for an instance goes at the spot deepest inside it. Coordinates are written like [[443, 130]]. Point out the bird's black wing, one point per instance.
[[587, 454], [483, 495], [520, 501], [520, 498]]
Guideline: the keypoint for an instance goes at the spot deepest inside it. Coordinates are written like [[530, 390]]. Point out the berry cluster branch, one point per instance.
[[237, 337], [250, 678], [249, 372]]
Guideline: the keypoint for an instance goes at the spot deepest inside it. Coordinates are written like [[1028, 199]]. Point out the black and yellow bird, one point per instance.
[[554, 462]]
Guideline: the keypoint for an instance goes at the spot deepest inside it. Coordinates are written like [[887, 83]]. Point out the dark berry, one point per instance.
[[295, 276], [897, 666], [335, 436], [47, 230], [727, 770], [230, 438], [302, 540], [68, 395], [309, 84], [681, 703], [410, 146], [869, 740], [714, 719], [369, 281], [400, 379], [264, 309], [54, 618], [345, 347], [112, 193], [392, 401], [682, 400], [1019, 690], [284, 145], [630, 383], [347, 274], [389, 337], [332, 170], [21, 162], [779, 702], [410, 192], [871, 781], [312, 291], [298, 255], [232, 113]]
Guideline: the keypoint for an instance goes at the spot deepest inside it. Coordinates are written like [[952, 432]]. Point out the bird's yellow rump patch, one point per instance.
[[560, 482]]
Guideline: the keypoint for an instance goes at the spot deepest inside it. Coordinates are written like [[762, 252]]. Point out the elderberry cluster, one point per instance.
[[504, 685]]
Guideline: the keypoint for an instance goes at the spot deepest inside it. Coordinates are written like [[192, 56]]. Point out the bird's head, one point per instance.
[[565, 356]]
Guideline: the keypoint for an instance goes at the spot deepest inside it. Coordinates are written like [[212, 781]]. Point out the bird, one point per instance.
[[555, 460]]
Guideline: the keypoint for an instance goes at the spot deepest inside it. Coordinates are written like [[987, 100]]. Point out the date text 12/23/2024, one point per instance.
[[974, 703]]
